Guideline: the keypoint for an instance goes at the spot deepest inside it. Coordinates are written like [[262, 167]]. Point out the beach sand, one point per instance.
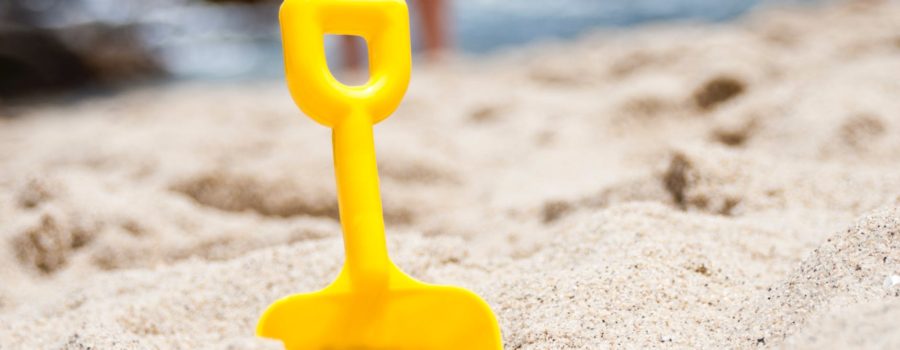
[[730, 185]]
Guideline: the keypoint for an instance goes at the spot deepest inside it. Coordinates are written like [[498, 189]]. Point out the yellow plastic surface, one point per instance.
[[372, 304]]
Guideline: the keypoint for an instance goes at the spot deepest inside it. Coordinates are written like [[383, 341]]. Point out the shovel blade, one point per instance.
[[423, 317]]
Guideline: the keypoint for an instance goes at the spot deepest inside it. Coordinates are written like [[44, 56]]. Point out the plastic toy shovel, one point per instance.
[[372, 304]]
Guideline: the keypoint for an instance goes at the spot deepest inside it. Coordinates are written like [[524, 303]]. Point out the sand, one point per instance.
[[681, 186]]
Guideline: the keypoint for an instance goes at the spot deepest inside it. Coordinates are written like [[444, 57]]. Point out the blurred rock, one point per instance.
[[40, 55], [33, 60], [112, 52]]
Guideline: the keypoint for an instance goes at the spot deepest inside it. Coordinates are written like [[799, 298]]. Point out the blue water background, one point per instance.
[[484, 25], [219, 49]]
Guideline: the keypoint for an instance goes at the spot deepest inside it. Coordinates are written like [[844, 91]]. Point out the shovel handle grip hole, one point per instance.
[[348, 58]]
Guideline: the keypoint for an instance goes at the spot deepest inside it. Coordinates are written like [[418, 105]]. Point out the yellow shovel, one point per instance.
[[372, 304]]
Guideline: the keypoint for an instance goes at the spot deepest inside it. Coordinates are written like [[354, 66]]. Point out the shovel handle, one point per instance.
[[351, 111], [384, 24]]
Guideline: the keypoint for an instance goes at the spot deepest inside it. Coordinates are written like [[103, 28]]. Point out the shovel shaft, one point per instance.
[[351, 111], [367, 263]]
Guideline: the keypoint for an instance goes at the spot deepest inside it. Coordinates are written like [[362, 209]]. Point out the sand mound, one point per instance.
[[858, 326], [194, 304], [848, 269], [724, 182], [632, 275], [639, 275]]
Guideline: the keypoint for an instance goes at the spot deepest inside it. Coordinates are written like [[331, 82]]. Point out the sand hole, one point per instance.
[[35, 192], [861, 129], [554, 210], [645, 107], [717, 90], [486, 113], [415, 171], [238, 193], [48, 245], [735, 135], [675, 179], [684, 182]]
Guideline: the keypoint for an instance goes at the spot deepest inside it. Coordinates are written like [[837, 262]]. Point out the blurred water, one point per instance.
[[479, 26], [194, 39], [484, 25]]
